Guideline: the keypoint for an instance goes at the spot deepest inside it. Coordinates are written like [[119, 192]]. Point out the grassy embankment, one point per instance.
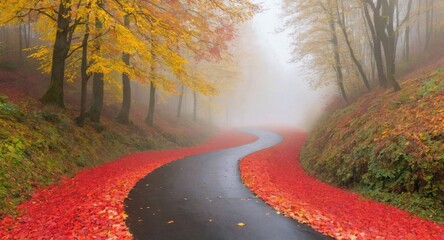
[[39, 145], [388, 146]]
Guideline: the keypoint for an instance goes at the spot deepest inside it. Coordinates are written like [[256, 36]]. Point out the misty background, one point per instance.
[[264, 89], [273, 90]]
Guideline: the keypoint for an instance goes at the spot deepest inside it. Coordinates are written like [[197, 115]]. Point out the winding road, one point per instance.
[[202, 197]]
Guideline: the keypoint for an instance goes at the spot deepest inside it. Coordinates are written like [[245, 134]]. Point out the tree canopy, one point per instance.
[[159, 39]]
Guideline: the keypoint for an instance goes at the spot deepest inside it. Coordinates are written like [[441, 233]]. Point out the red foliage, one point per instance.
[[276, 176], [90, 205]]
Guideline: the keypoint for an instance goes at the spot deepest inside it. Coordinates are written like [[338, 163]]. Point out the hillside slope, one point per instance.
[[40, 144], [387, 145]]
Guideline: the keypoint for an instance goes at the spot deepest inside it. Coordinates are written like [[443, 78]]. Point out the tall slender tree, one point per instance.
[[180, 103], [341, 21], [98, 92], [85, 77], [195, 106], [377, 48], [407, 33], [151, 106], [123, 116], [62, 44], [152, 102], [337, 57]]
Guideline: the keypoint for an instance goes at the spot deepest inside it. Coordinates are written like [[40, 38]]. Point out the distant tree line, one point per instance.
[[362, 39]]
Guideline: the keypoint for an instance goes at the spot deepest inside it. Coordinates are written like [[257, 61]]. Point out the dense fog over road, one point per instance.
[[275, 90]]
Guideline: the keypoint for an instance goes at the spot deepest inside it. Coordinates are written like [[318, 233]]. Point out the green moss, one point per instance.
[[39, 147], [433, 84]]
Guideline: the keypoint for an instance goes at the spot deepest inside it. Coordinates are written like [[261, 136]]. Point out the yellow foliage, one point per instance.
[[174, 31]]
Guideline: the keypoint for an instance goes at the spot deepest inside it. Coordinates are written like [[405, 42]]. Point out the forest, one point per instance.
[[363, 45], [170, 46], [221, 119], [385, 60]]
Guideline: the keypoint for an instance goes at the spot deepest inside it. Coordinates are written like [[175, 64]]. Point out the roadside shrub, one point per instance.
[[388, 146]]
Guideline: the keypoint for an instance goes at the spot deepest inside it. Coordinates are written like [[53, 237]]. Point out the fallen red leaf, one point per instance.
[[90, 205], [277, 177]]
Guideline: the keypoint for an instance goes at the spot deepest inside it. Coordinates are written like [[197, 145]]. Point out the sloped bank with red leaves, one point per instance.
[[277, 177], [90, 205], [384, 151]]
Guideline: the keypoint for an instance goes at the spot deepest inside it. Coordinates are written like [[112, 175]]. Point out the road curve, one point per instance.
[[202, 197]]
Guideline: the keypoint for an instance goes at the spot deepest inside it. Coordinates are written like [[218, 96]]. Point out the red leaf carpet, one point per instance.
[[276, 176], [90, 205]]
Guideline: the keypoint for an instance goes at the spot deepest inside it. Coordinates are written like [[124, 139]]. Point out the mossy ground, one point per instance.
[[387, 145], [41, 144]]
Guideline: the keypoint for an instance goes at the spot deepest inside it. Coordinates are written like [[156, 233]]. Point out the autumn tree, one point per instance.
[[124, 113], [365, 34], [383, 26], [84, 76], [104, 39], [406, 46], [57, 15], [341, 20], [180, 102], [152, 102], [95, 110], [323, 49], [204, 29]]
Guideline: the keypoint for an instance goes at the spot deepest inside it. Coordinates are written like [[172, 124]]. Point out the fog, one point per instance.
[[274, 91], [269, 90]]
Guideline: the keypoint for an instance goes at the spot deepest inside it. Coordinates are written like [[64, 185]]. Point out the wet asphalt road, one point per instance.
[[202, 197]]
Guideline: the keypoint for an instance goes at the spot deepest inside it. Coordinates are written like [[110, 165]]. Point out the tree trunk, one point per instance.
[[428, 30], [152, 104], [85, 77], [341, 21], [95, 111], [28, 32], [5, 37], [372, 68], [377, 50], [337, 66], [407, 33], [342, 91], [55, 94], [432, 20], [20, 43], [379, 64], [383, 19], [195, 106], [389, 42], [418, 24], [123, 116], [407, 44], [179, 107]]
